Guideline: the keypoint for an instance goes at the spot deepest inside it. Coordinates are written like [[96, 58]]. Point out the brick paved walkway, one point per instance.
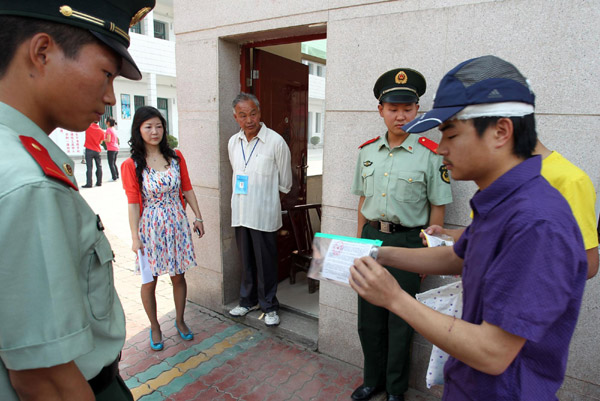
[[226, 360]]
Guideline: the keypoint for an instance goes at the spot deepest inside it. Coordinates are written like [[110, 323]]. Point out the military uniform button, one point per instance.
[[410, 180], [383, 194], [391, 154], [382, 214], [386, 174]]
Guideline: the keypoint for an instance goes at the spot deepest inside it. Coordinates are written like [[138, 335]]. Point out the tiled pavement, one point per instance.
[[226, 360]]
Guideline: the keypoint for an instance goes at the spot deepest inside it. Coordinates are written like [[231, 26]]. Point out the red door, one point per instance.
[[281, 86]]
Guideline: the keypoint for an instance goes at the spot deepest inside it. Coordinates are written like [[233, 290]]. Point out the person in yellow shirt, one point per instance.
[[577, 188]]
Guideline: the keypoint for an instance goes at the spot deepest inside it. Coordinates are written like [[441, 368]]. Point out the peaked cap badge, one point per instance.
[[401, 78]]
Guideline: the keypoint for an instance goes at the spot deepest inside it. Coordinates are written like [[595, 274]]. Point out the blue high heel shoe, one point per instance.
[[187, 337], [155, 346]]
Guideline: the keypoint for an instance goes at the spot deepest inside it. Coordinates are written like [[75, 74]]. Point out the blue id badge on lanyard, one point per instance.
[[241, 184]]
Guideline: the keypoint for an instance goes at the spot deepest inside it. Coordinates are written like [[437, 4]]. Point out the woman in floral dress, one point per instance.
[[157, 185]]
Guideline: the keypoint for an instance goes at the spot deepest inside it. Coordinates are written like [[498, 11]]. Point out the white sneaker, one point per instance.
[[242, 310], [271, 319]]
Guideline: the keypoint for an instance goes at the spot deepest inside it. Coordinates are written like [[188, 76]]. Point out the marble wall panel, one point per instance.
[[197, 79], [338, 335], [199, 143], [205, 287]]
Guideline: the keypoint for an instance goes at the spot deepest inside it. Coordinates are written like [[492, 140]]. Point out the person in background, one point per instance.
[[262, 173], [577, 188], [62, 324], [403, 187], [157, 184], [112, 147], [94, 135]]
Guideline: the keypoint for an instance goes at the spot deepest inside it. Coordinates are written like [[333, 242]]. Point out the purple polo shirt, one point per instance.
[[524, 270]]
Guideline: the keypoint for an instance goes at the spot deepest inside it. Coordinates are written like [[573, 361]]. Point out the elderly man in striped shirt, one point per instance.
[[261, 164]]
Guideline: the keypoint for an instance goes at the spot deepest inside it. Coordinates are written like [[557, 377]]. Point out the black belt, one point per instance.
[[105, 377], [389, 228]]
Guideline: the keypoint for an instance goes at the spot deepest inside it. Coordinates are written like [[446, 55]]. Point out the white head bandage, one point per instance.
[[503, 109]]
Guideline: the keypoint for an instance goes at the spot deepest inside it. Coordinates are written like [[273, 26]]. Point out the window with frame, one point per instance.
[[320, 70], [137, 28], [318, 122], [315, 68], [108, 113], [162, 105], [138, 101], [160, 30]]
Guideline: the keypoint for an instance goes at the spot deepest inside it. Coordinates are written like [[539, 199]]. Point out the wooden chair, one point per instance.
[[302, 227]]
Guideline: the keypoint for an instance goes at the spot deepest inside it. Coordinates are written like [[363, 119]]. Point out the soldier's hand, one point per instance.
[[373, 282], [432, 230]]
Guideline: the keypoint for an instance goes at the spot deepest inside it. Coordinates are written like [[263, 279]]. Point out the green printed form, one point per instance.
[[339, 254]]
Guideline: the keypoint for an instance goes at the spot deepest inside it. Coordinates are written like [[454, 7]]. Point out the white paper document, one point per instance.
[[144, 267], [340, 256], [438, 240]]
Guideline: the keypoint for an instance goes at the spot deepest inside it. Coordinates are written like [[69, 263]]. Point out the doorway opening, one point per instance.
[[288, 77]]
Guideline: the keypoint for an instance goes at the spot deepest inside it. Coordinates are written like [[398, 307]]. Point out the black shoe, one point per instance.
[[86, 186], [99, 184], [364, 393], [392, 397]]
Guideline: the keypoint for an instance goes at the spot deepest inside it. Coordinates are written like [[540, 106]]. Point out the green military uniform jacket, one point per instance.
[[57, 298], [399, 184]]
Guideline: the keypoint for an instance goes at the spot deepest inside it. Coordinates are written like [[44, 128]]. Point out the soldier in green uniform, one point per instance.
[[62, 326], [403, 188]]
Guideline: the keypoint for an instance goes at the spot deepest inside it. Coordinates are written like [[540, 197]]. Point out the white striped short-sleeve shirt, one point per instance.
[[268, 167]]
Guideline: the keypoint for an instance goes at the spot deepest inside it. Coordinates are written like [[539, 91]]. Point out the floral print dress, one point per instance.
[[164, 228]]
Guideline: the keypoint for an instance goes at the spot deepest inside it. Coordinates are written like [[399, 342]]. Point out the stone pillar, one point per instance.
[[152, 90], [148, 24]]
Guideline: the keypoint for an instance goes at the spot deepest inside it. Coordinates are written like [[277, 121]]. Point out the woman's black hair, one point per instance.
[[138, 146]]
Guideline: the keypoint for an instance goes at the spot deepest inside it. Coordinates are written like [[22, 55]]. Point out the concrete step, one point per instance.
[[295, 326]]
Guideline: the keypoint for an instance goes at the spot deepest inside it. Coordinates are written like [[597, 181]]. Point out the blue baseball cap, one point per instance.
[[480, 80]]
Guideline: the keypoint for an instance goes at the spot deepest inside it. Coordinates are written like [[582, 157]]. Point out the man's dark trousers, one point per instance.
[[258, 251], [111, 155], [385, 338], [89, 156]]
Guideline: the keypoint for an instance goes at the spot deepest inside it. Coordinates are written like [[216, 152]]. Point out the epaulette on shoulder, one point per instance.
[[368, 142], [429, 144], [42, 157]]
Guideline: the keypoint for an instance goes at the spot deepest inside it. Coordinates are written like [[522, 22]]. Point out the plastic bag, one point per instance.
[[334, 254], [447, 300]]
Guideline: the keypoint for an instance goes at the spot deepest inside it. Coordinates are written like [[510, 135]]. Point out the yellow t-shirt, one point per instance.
[[577, 188]]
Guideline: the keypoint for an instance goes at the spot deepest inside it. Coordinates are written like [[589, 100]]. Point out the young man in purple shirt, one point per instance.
[[522, 259]]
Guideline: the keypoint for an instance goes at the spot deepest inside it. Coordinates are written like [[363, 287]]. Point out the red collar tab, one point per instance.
[[42, 157], [429, 144], [369, 141]]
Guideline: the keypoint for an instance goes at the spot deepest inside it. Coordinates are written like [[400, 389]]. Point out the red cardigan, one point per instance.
[[132, 189]]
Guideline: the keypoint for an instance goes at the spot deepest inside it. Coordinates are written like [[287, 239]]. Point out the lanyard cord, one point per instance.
[[244, 153]]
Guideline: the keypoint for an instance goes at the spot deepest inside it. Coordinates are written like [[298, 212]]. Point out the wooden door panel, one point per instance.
[[282, 90]]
